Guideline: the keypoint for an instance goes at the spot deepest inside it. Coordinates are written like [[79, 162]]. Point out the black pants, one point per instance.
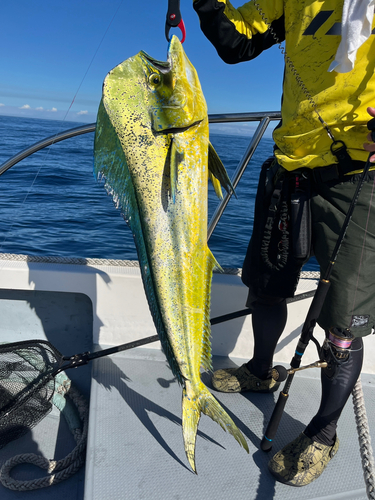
[[269, 319], [335, 393]]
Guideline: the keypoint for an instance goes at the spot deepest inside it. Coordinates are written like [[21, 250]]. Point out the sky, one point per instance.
[[55, 55]]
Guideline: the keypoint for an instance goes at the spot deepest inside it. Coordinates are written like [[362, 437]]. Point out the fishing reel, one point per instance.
[[334, 352]]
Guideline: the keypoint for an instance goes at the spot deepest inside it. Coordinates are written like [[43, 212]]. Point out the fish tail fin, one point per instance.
[[192, 407]]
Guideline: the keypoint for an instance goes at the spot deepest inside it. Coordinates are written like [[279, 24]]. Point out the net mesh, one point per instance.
[[27, 371]]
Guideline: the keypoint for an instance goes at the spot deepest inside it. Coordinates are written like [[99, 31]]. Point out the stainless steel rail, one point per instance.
[[67, 134], [263, 117], [241, 167], [244, 117]]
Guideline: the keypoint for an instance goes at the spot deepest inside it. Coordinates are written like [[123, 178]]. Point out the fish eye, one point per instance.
[[154, 79]]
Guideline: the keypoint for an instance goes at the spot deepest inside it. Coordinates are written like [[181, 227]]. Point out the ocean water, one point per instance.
[[50, 203]]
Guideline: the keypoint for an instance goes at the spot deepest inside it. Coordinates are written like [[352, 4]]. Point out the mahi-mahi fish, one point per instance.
[[152, 148]]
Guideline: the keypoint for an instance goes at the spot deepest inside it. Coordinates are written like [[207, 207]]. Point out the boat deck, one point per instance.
[[149, 457], [135, 447]]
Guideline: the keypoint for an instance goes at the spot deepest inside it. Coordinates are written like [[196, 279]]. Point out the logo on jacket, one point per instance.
[[318, 22]]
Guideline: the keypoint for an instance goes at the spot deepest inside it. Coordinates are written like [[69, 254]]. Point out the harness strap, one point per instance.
[[332, 172]]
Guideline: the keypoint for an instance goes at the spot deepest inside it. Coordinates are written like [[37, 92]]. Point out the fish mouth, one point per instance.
[[163, 66], [176, 130]]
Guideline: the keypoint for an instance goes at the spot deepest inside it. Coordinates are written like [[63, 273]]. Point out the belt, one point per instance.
[[335, 172]]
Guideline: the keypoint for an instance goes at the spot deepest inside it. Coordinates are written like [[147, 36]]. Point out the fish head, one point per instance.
[[175, 97], [162, 96]]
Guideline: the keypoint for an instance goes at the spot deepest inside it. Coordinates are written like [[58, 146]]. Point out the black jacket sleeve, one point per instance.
[[231, 45]]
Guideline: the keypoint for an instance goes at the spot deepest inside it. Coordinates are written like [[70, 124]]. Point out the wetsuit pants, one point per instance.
[[268, 323]]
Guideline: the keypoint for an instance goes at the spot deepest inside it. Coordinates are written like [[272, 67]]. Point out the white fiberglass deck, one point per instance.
[[135, 448]]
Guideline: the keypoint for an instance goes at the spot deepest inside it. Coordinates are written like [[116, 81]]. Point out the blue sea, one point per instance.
[[50, 203]]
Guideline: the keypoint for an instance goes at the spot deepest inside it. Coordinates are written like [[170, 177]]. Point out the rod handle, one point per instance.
[[267, 441], [314, 310]]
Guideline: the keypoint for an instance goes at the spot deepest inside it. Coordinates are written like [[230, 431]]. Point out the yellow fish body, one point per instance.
[[152, 148]]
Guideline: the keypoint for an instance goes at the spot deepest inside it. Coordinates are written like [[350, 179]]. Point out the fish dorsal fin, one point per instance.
[[217, 173], [110, 163]]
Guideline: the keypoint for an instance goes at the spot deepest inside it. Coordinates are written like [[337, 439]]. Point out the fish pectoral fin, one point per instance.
[[214, 263], [217, 171], [216, 184], [204, 402], [176, 157]]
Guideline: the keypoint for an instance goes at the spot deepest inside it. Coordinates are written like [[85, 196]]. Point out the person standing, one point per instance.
[[329, 86]]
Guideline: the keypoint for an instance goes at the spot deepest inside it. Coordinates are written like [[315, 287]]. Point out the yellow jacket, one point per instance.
[[311, 30]]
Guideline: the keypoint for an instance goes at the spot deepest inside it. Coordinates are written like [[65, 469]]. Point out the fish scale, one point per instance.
[[152, 148]]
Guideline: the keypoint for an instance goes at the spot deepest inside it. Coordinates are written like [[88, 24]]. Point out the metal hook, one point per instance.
[[174, 19]]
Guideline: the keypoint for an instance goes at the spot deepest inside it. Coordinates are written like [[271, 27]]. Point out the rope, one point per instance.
[[364, 438], [58, 470]]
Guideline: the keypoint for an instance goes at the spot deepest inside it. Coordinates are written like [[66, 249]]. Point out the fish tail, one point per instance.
[[192, 407]]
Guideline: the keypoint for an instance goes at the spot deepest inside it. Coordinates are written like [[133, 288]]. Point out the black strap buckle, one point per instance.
[[338, 149]]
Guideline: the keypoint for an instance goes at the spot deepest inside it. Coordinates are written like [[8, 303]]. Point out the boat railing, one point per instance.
[[264, 119]]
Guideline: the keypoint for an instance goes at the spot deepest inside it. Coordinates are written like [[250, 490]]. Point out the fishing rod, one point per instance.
[[42, 362], [83, 358], [314, 311]]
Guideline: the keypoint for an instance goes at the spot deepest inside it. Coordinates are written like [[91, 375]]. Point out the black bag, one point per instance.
[[287, 230], [281, 240]]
